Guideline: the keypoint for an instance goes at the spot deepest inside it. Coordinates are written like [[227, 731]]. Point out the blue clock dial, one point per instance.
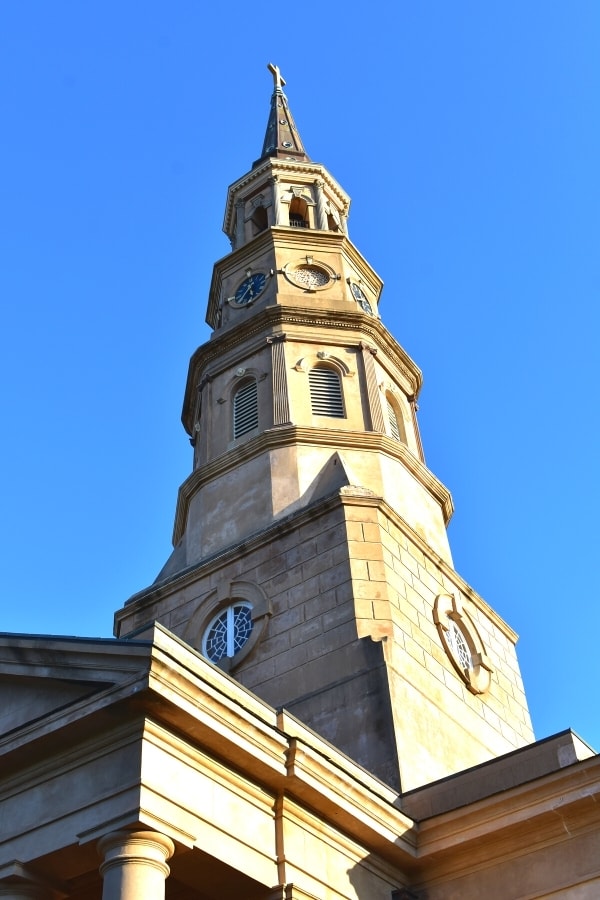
[[361, 299], [250, 288]]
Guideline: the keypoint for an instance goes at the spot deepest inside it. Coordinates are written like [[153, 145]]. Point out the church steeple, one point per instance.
[[310, 555], [282, 139]]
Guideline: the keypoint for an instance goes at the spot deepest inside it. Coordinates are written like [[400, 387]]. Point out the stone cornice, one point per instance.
[[537, 814], [302, 170], [185, 711], [159, 590], [301, 323], [291, 435], [243, 735], [347, 496], [281, 237]]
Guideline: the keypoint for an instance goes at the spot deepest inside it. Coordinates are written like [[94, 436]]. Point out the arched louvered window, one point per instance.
[[245, 408], [326, 392], [393, 420], [396, 429]]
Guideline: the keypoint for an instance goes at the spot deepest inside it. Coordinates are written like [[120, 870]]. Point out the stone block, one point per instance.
[[336, 616], [434, 667], [274, 644], [374, 590], [317, 564], [316, 606], [428, 627], [364, 550], [409, 561], [371, 532], [333, 577], [430, 580], [376, 570], [354, 531], [306, 632], [421, 639], [294, 658], [414, 650], [410, 611]]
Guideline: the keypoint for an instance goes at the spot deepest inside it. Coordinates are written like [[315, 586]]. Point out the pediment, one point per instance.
[[25, 700], [41, 676]]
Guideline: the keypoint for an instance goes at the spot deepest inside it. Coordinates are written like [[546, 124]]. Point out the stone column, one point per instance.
[[203, 411], [321, 214], [134, 865], [344, 220], [414, 406], [377, 423], [274, 181], [240, 225]]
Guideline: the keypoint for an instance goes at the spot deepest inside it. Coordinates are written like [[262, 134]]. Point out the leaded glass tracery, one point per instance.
[[459, 646], [228, 631]]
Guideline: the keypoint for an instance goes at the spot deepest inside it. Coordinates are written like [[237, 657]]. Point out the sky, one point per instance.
[[466, 134]]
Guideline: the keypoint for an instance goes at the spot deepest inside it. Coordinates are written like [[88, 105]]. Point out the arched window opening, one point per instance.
[[332, 224], [326, 392], [227, 633], [395, 423], [299, 213], [260, 220], [245, 408]]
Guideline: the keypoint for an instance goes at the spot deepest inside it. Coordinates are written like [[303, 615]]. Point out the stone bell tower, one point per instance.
[[310, 555]]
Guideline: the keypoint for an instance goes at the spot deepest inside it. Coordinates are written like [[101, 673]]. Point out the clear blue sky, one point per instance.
[[467, 135]]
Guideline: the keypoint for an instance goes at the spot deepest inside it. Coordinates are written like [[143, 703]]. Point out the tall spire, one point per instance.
[[281, 138]]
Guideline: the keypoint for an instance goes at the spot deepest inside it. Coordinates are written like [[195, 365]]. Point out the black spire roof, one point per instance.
[[281, 138]]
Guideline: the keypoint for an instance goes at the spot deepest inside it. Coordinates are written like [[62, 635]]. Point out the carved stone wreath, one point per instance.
[[462, 642]]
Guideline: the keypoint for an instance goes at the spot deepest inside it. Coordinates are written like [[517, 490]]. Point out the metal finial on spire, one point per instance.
[[281, 138]]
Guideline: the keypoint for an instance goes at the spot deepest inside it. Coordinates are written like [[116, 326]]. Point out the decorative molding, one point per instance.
[[287, 436], [290, 523], [368, 348], [375, 410], [449, 608], [220, 598]]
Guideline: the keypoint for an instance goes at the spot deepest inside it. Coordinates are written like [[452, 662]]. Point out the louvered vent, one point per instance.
[[393, 421], [326, 393], [245, 409]]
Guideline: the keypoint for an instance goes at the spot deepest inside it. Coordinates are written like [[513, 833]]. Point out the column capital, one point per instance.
[[368, 348], [134, 865]]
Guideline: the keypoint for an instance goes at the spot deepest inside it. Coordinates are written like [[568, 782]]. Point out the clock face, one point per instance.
[[311, 277], [250, 288], [360, 297]]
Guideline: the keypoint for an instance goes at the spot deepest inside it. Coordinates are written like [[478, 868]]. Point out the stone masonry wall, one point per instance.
[[349, 644], [441, 726]]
